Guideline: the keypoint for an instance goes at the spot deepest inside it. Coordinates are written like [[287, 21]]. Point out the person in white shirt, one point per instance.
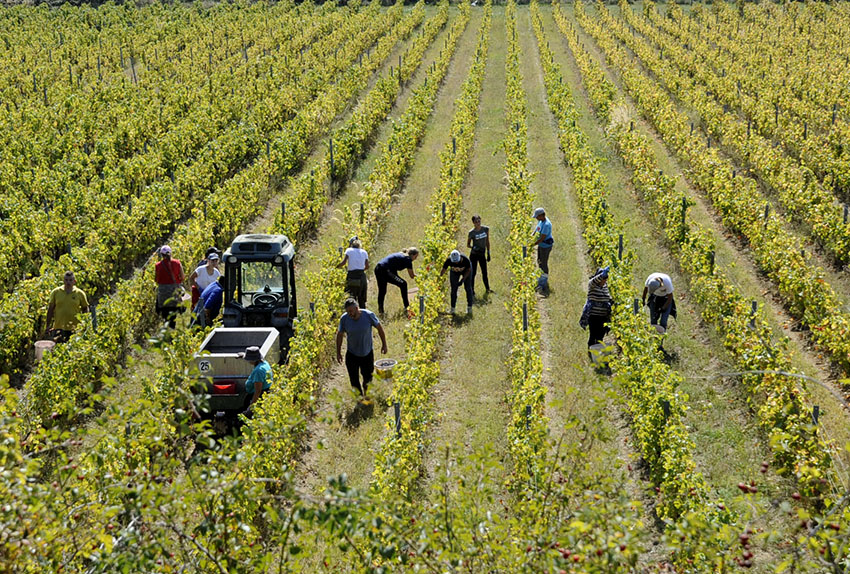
[[356, 283], [205, 275], [659, 286], [202, 277]]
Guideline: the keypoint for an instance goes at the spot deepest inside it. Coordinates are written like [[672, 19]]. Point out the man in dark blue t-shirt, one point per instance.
[[461, 273]]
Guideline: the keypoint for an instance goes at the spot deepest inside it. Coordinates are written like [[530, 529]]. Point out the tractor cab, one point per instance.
[[259, 290]]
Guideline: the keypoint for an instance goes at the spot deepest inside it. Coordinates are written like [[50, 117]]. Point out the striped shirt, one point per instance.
[[599, 297]]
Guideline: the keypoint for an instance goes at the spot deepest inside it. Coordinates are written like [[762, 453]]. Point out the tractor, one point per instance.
[[258, 310]]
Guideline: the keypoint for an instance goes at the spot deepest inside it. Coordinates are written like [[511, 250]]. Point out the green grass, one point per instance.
[[469, 398]]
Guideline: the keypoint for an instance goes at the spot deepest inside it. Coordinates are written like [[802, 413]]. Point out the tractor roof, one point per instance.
[[259, 247]]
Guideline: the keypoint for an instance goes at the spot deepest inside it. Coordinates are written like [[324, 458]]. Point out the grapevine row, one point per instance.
[[528, 426], [803, 198], [70, 371], [779, 255], [781, 402]]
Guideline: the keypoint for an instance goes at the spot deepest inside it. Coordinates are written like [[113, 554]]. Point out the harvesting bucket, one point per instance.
[[42, 347], [600, 352], [384, 368]]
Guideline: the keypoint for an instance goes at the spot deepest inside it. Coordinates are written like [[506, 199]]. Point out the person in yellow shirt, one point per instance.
[[66, 302]]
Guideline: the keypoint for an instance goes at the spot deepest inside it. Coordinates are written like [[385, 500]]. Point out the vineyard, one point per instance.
[[708, 142]]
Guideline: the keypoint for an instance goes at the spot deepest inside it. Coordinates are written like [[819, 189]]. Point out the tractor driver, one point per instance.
[[260, 379]]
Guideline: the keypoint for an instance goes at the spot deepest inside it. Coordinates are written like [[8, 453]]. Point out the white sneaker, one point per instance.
[[469, 309], [452, 311]]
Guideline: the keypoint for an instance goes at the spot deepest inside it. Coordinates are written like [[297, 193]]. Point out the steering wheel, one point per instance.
[[264, 299]]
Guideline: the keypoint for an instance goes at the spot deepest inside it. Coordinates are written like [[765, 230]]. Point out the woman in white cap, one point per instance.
[[461, 272], [659, 286], [168, 274], [260, 379], [544, 240], [357, 259]]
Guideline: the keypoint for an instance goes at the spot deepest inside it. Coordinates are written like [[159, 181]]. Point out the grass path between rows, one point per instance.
[[737, 262], [469, 398], [345, 433]]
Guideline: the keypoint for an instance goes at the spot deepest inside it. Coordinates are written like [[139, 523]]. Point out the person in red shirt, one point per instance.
[[169, 279]]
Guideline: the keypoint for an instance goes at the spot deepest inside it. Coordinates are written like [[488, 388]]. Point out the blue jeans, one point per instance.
[[658, 315]]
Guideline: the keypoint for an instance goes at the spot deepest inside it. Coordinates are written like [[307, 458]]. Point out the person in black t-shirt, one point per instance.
[[386, 271], [461, 272], [478, 241]]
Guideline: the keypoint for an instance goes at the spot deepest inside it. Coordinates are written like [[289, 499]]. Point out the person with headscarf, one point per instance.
[[461, 272], [597, 309]]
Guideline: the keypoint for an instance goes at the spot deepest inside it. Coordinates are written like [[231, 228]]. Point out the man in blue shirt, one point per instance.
[[357, 324], [544, 241], [211, 300], [260, 379]]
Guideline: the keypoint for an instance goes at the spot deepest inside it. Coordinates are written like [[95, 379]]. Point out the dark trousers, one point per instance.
[[455, 279], [598, 327], [385, 276], [60, 335], [479, 259], [543, 257], [357, 286], [358, 366]]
